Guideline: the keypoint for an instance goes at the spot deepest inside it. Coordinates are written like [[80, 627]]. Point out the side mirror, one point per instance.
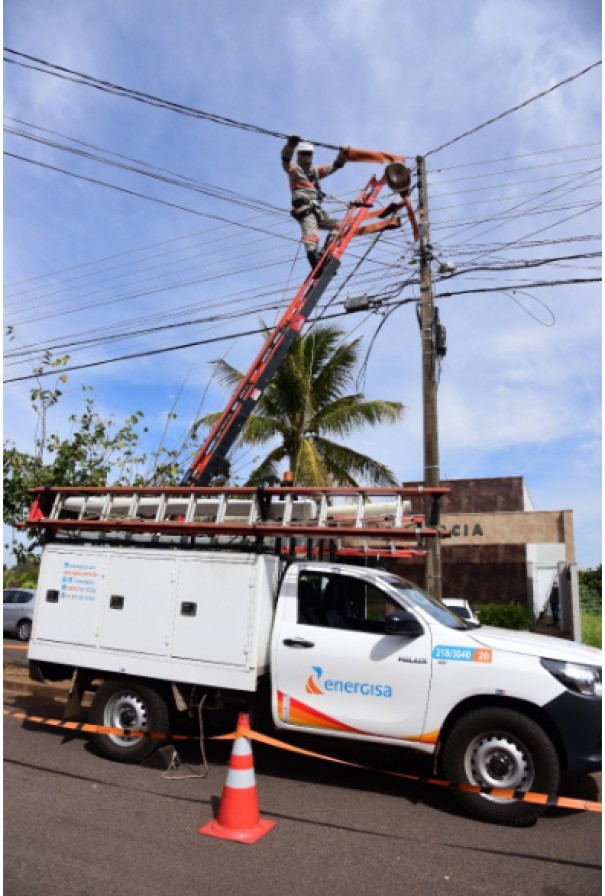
[[403, 623]]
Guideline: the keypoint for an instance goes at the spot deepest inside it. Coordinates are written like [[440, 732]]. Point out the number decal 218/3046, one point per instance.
[[463, 654]]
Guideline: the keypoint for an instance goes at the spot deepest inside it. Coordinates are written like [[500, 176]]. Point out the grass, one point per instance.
[[592, 633]]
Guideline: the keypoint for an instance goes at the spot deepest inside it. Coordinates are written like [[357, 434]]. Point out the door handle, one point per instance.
[[298, 643]]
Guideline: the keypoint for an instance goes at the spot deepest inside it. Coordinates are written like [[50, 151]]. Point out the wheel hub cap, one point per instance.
[[499, 761], [126, 710]]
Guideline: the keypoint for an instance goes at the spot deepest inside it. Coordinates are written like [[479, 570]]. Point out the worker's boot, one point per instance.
[[313, 257]]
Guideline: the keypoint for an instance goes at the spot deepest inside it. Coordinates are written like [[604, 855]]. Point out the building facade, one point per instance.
[[501, 548]]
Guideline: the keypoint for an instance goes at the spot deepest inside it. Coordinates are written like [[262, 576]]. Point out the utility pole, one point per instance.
[[429, 379]]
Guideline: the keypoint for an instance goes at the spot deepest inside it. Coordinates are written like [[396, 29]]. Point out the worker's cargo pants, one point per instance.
[[312, 223]]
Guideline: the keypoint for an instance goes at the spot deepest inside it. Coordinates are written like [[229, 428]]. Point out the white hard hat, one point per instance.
[[305, 146]]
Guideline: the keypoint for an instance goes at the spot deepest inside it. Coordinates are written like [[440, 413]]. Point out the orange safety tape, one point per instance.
[[242, 731], [368, 155], [411, 215], [389, 224], [394, 207], [106, 729], [383, 212], [519, 795]]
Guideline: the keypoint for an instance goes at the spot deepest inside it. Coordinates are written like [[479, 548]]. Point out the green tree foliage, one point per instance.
[[95, 451], [306, 408], [23, 575]]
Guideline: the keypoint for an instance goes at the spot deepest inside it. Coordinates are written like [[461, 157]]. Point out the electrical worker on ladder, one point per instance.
[[304, 179]]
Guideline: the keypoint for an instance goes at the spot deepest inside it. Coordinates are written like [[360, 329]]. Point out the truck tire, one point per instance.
[[501, 748], [124, 704]]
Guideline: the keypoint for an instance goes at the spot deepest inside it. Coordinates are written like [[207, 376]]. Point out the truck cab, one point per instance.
[[367, 655]]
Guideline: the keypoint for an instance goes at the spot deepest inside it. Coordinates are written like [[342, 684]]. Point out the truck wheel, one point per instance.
[[501, 748], [121, 704]]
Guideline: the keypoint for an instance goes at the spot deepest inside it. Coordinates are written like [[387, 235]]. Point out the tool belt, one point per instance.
[[301, 208]]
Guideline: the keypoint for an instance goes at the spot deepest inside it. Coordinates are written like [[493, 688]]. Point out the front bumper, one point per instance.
[[579, 722]]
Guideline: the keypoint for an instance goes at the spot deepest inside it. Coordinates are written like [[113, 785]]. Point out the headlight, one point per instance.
[[585, 680]]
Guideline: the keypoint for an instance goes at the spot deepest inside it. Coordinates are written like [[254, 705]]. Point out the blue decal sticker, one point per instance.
[[463, 654]]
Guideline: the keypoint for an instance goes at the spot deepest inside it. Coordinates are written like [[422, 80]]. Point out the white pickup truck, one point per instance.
[[339, 650]]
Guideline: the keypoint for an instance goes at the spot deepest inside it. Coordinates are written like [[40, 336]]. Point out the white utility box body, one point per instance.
[[176, 615]]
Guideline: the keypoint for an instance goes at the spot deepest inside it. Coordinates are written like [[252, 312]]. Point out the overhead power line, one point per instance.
[[177, 180], [173, 348], [456, 180], [542, 284], [60, 71], [182, 208], [174, 239], [86, 341], [514, 109], [523, 155]]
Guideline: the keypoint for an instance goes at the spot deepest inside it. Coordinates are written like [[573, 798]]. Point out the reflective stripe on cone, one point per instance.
[[238, 816]]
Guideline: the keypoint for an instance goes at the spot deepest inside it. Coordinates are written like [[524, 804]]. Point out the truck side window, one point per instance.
[[346, 602], [370, 608]]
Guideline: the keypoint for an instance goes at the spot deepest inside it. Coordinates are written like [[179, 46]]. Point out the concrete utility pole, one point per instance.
[[429, 379]]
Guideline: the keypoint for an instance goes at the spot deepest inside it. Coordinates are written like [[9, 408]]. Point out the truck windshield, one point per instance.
[[419, 598]]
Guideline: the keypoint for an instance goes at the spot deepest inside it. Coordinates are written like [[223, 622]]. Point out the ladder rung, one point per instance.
[[106, 508], [288, 510], [254, 512], [57, 506], [190, 509], [161, 511], [134, 506], [360, 511], [82, 513], [398, 511], [222, 509], [323, 511]]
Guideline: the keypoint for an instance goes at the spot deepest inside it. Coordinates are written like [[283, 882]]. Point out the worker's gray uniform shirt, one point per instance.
[[304, 187]]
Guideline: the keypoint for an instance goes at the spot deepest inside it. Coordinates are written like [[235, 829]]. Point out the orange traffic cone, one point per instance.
[[238, 815]]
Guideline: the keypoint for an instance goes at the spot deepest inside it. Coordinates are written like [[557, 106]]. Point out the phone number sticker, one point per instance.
[[463, 654]]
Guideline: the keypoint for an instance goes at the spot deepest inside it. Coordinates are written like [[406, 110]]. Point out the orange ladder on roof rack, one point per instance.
[[246, 512]]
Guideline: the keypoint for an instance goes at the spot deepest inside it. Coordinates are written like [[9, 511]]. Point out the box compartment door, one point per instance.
[[138, 604], [69, 602], [214, 614]]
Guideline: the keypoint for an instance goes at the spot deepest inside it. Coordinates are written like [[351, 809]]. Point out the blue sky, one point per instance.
[[516, 397]]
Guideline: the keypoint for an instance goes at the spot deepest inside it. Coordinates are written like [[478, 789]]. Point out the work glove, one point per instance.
[[342, 156], [293, 141]]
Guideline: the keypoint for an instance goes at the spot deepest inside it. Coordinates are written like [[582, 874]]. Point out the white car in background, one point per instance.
[[18, 612], [461, 608]]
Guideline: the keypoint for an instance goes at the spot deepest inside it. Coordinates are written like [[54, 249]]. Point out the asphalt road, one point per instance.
[[14, 652], [75, 823]]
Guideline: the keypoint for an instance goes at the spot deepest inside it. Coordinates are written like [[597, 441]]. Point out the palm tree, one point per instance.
[[305, 407]]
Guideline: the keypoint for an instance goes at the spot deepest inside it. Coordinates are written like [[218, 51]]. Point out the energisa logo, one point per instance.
[[345, 687]]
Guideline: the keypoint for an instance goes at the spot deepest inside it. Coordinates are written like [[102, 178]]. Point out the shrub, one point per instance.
[[590, 601], [592, 578], [514, 616]]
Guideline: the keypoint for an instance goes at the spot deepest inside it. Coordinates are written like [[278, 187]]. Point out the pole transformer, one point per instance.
[[427, 322]]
